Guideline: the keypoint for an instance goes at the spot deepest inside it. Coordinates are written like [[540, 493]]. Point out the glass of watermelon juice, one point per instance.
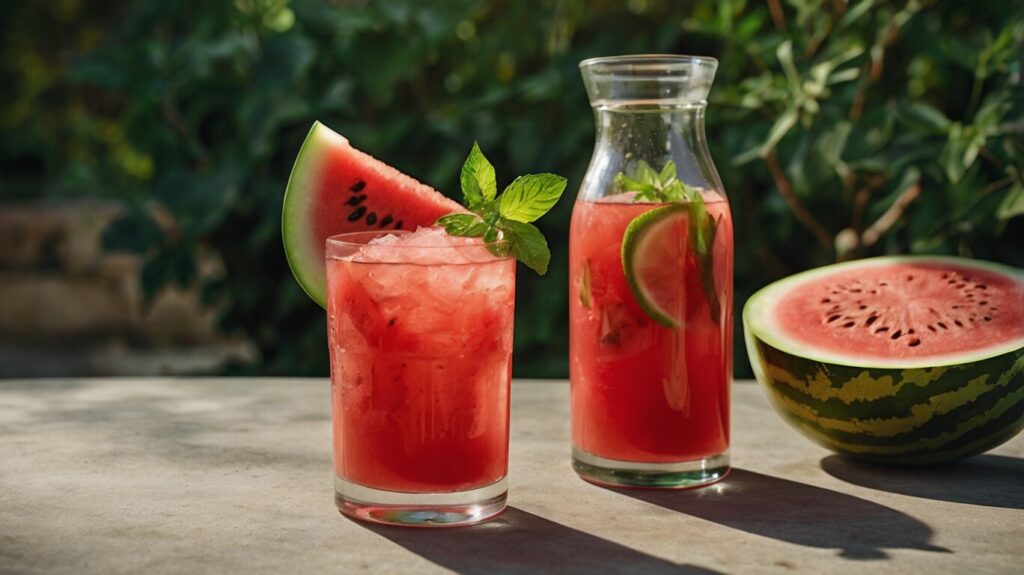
[[651, 255], [420, 335]]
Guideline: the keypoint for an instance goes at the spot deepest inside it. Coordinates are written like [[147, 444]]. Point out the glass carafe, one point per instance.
[[651, 259]]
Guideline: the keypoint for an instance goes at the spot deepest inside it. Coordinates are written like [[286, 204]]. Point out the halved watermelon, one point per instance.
[[910, 360], [334, 189]]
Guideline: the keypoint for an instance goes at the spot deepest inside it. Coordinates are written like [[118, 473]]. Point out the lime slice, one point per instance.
[[653, 252]]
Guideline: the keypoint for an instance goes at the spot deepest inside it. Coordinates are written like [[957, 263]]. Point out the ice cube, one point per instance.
[[425, 246]]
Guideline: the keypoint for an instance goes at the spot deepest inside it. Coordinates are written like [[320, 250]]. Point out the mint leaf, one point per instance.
[[628, 184], [504, 221], [668, 173], [463, 225], [477, 179], [530, 197], [645, 174], [527, 244]]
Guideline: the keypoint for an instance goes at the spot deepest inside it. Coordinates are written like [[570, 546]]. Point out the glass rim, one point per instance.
[[351, 240], [632, 63]]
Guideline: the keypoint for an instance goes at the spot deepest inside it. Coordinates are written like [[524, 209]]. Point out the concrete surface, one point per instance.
[[233, 475]]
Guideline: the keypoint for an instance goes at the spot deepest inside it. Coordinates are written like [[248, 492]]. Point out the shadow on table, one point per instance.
[[798, 513], [520, 542], [988, 480]]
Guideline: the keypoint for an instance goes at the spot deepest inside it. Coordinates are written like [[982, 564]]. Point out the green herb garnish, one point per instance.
[[665, 187], [508, 216]]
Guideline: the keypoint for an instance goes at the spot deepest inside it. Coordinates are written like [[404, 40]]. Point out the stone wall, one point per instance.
[[69, 308]]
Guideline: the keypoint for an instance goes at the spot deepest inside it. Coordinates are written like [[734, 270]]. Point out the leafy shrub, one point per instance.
[[840, 130]]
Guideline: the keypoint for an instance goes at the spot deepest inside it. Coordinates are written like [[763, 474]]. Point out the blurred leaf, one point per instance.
[[924, 117], [1013, 203]]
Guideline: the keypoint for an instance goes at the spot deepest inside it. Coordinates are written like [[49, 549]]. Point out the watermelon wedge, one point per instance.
[[906, 360], [335, 189]]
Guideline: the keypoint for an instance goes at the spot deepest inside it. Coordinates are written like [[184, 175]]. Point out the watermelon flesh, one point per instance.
[[943, 380], [336, 189], [902, 313]]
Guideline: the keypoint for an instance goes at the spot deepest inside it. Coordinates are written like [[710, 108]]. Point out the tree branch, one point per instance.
[[795, 205], [177, 123], [886, 221], [778, 17], [871, 71]]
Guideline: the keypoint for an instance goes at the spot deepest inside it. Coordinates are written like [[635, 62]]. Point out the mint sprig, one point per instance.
[[665, 187], [506, 217]]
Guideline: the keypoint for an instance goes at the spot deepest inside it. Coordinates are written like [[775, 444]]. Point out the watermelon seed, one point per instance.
[[987, 318], [930, 327], [874, 291], [982, 286], [849, 324], [942, 325], [356, 200], [883, 283], [833, 318], [910, 331], [398, 226], [983, 302], [358, 186], [931, 309], [958, 323], [871, 319], [387, 220], [357, 213], [826, 300], [914, 342], [956, 307], [910, 278], [896, 334], [881, 329], [392, 321], [371, 219], [862, 307]]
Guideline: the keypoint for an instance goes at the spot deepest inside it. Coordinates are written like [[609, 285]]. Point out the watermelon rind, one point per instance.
[[310, 275], [329, 174], [900, 411]]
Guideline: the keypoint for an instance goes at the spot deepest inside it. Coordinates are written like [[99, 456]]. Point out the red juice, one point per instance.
[[643, 392], [421, 342]]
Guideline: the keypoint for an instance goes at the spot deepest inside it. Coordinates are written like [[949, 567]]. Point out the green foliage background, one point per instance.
[[841, 130]]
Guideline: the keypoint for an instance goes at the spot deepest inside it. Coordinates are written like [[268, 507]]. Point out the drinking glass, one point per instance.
[[421, 349]]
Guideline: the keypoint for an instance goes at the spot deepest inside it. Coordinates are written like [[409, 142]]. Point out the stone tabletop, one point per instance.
[[234, 475]]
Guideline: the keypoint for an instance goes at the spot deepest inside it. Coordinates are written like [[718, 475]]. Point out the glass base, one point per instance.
[[675, 475], [449, 509]]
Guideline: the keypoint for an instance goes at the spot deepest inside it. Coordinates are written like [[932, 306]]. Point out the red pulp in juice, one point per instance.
[[420, 372], [640, 391]]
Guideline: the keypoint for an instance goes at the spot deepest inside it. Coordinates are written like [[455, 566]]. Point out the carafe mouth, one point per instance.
[[648, 79]]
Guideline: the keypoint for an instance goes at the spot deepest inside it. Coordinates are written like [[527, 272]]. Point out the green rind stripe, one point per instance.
[[978, 440], [957, 432], [919, 416], [934, 432], [844, 392], [950, 401]]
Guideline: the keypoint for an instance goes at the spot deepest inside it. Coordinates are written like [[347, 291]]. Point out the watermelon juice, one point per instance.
[[420, 335], [646, 396]]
